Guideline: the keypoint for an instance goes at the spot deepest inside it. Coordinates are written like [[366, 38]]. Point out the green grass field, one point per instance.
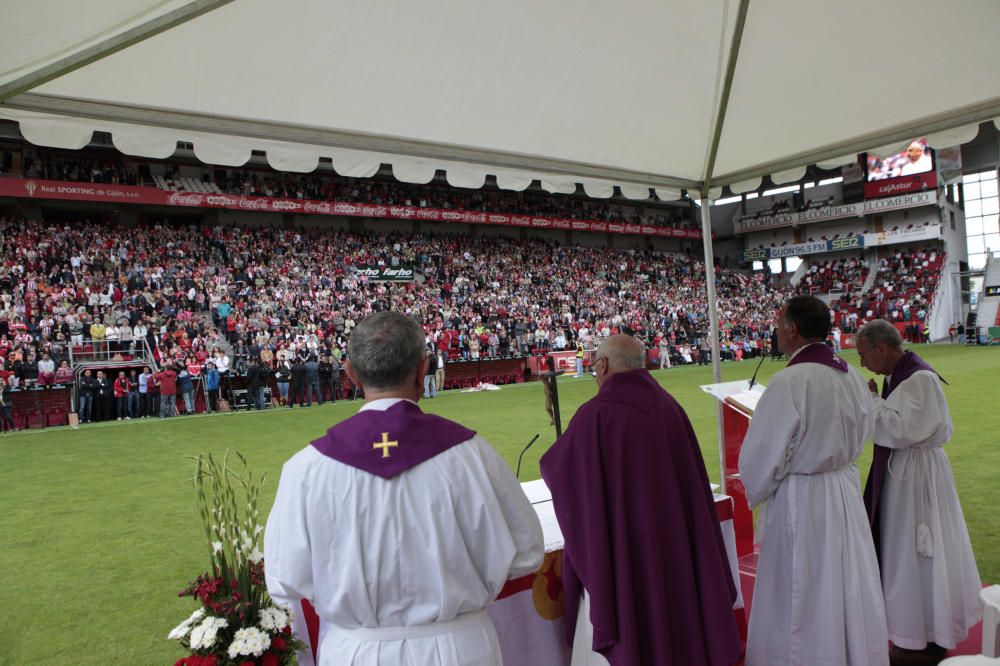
[[99, 527]]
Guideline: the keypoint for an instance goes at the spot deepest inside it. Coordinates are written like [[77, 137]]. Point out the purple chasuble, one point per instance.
[[819, 352], [903, 370], [390, 442], [641, 534]]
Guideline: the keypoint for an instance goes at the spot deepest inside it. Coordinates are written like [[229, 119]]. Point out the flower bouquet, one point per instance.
[[237, 623]]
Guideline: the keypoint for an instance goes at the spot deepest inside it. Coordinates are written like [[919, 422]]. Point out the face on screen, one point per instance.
[[915, 159]]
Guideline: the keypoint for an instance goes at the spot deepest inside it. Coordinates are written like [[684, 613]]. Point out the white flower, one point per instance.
[[216, 547], [273, 618], [257, 530], [203, 636], [182, 629], [249, 641], [255, 556]]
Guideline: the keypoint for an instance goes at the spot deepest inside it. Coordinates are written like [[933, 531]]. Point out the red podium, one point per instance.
[[737, 402]]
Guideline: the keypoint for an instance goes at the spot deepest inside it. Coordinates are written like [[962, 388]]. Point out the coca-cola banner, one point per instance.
[[887, 188], [152, 196]]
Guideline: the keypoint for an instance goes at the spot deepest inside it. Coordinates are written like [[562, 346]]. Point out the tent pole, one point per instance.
[[713, 326]]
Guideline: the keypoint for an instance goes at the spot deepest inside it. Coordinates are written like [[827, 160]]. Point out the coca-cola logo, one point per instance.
[[523, 220], [313, 207], [633, 229], [253, 204], [561, 224], [184, 199], [599, 226]]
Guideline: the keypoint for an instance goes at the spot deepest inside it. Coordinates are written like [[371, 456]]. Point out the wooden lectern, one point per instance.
[[738, 401]]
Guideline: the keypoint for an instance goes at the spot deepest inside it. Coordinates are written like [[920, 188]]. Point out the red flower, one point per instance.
[[287, 631], [181, 662], [270, 659], [210, 660], [247, 663], [278, 643]]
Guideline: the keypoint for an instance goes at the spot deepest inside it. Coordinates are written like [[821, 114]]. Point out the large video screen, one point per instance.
[[917, 158]]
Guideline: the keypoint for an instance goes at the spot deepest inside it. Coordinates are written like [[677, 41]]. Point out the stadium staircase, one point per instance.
[[989, 306]]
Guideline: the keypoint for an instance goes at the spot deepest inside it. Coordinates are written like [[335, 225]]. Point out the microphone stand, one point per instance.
[[753, 380], [520, 457]]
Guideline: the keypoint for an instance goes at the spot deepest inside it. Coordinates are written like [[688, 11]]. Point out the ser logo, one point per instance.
[[845, 243], [755, 255]]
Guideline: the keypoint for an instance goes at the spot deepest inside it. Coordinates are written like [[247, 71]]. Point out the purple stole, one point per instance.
[[903, 370], [819, 352], [387, 443]]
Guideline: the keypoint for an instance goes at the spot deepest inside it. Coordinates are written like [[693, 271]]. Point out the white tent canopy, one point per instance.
[[639, 94], [596, 93]]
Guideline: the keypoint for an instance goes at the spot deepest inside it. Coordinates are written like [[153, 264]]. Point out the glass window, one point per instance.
[[973, 226], [976, 245], [992, 242], [990, 206], [973, 191], [988, 187], [990, 224], [758, 265], [775, 265], [977, 262], [792, 264], [973, 207]]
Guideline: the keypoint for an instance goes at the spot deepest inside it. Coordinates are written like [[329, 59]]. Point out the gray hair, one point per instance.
[[623, 352], [881, 332], [385, 349]]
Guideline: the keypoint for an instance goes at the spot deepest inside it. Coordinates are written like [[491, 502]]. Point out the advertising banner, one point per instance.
[[915, 183], [926, 232], [748, 224], [385, 273], [152, 196]]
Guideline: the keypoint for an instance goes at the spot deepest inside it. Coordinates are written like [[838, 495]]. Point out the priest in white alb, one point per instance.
[[399, 527], [817, 598], [929, 573]]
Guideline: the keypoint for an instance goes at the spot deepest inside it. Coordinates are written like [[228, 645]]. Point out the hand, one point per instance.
[[872, 386]]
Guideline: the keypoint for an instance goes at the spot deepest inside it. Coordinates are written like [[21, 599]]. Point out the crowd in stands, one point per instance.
[[276, 295], [902, 291], [795, 204], [79, 170]]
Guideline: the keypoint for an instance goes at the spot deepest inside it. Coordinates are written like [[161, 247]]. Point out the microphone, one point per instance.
[[753, 380], [523, 451]]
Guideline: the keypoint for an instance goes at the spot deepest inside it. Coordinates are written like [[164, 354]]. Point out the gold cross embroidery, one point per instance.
[[384, 445]]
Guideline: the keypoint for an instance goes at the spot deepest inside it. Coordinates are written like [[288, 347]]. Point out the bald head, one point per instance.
[[623, 353]]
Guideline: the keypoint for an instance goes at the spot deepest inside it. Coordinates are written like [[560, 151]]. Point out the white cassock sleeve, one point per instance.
[[287, 552], [912, 413], [525, 529], [770, 442]]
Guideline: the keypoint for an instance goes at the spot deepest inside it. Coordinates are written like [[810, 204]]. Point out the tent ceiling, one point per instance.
[[592, 92]]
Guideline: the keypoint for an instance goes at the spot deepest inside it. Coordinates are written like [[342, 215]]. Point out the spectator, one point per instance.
[[121, 390], [6, 407], [166, 379], [212, 386], [88, 388], [134, 405]]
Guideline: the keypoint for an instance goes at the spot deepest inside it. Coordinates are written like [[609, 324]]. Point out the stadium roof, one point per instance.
[[637, 93]]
